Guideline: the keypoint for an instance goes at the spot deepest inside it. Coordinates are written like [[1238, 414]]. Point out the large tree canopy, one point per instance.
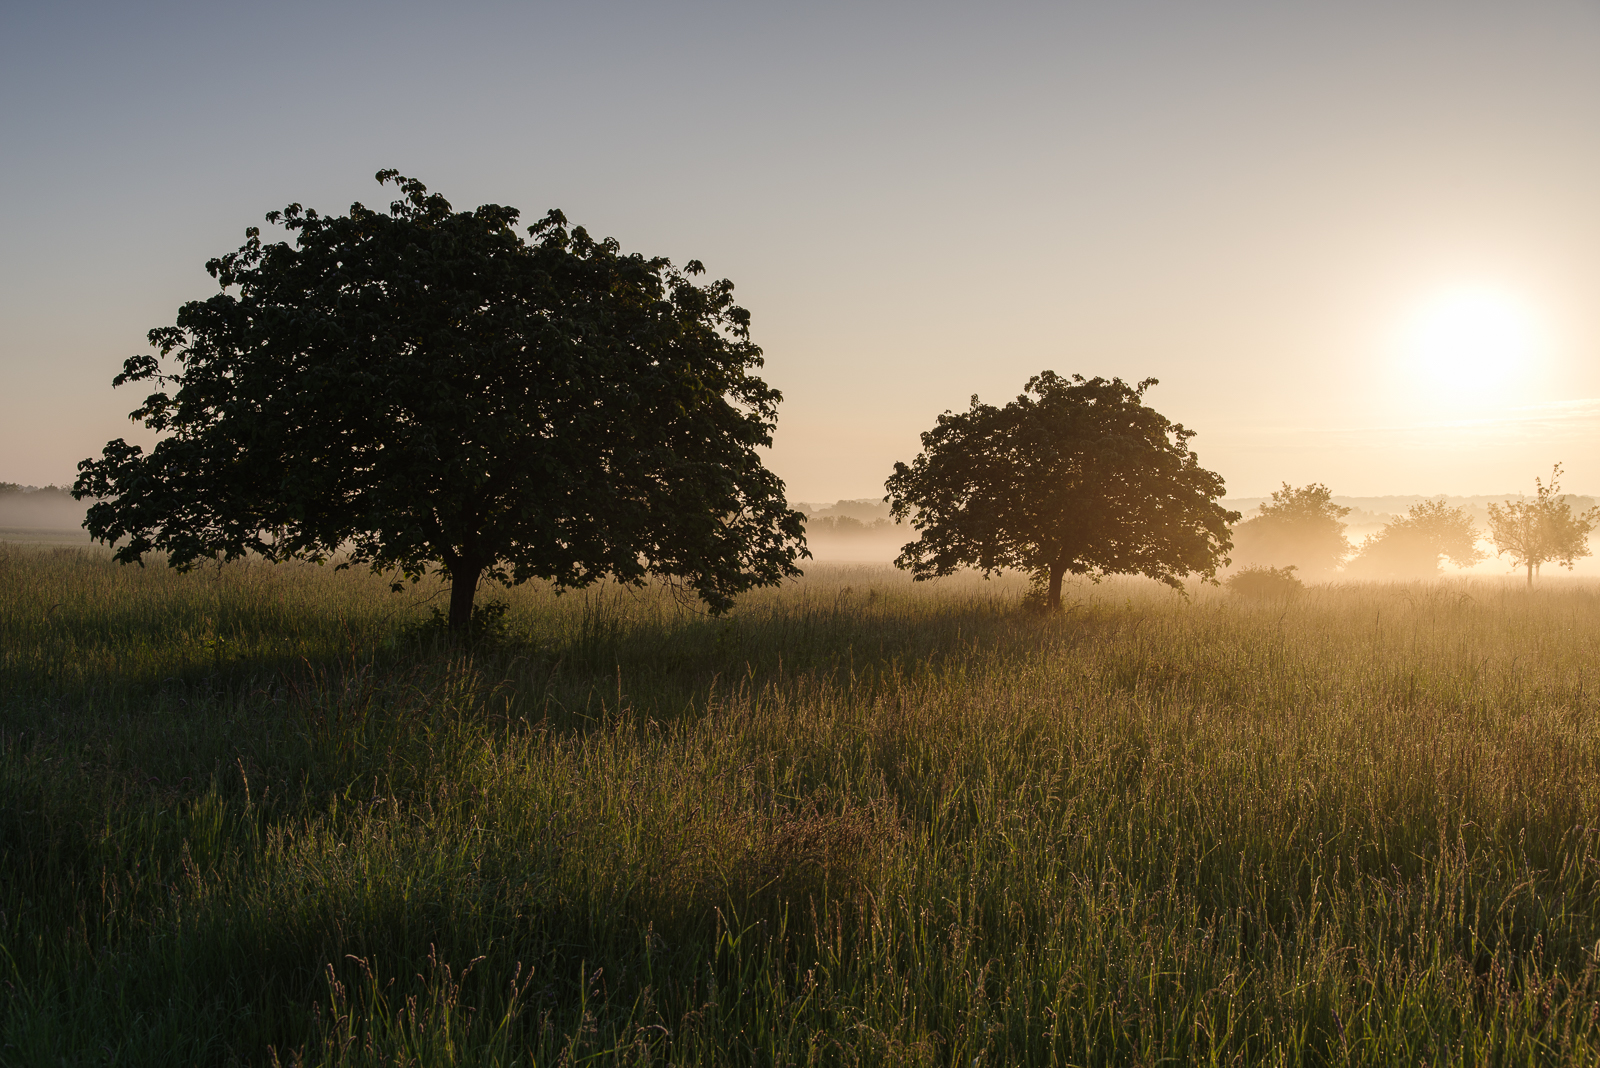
[[1075, 476], [424, 387]]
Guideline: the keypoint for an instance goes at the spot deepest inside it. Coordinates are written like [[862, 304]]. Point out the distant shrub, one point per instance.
[[1264, 583]]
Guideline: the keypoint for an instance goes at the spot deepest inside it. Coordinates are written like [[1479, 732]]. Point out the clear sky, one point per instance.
[[1358, 243]]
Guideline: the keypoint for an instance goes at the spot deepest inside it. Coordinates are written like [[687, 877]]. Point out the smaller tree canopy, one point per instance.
[[1301, 526], [1542, 530], [1411, 546], [1076, 476]]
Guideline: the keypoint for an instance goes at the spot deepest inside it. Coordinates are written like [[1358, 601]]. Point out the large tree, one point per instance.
[[1076, 476], [1542, 530], [423, 388], [1302, 527]]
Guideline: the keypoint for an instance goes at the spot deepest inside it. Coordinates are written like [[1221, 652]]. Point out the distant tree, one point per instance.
[[36, 494], [843, 526], [1301, 526], [863, 511], [424, 389], [42, 493], [1543, 530], [1076, 476], [1411, 546]]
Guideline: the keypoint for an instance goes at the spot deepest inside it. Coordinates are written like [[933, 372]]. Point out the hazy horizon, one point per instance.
[[50, 518]]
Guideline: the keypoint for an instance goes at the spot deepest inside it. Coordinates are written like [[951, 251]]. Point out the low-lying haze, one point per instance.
[[858, 530], [861, 530]]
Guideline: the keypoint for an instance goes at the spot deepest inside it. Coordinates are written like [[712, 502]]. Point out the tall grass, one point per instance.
[[266, 815]]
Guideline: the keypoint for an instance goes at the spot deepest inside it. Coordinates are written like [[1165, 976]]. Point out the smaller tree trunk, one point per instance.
[[1530, 575], [1053, 597], [463, 588]]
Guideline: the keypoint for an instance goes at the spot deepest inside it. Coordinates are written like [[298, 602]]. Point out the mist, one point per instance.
[[40, 513], [861, 531], [853, 531], [1366, 519]]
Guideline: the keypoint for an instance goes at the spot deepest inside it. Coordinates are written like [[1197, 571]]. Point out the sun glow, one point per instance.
[[1472, 344]]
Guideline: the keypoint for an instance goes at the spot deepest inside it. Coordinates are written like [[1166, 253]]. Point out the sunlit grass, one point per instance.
[[264, 813]]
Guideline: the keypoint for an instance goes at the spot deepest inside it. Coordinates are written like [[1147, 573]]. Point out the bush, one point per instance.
[[1265, 583], [488, 622]]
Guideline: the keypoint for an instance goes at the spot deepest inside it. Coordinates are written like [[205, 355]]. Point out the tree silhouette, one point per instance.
[[423, 388], [1543, 530], [1075, 476], [1410, 547], [1301, 526]]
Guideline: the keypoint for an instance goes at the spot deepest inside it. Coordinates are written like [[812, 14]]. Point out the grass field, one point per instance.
[[267, 815]]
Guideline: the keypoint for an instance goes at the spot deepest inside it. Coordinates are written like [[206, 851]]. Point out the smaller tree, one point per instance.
[[1076, 476], [1411, 546], [1301, 526], [1542, 530]]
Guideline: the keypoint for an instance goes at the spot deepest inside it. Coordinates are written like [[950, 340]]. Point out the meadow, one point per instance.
[[271, 815]]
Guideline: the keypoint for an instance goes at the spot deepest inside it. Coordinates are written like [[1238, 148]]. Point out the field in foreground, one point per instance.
[[258, 815]]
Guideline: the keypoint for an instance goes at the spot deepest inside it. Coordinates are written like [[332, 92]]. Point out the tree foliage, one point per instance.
[[423, 387], [1542, 530], [1076, 476], [1411, 546], [1300, 526]]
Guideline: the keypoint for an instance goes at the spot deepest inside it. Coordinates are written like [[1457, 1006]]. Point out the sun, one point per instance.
[[1472, 342]]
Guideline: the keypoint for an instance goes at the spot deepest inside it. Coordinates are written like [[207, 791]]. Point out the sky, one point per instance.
[[1357, 243]]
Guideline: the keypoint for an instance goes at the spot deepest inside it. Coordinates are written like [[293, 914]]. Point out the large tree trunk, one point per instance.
[[1530, 576], [463, 588], [1053, 599]]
